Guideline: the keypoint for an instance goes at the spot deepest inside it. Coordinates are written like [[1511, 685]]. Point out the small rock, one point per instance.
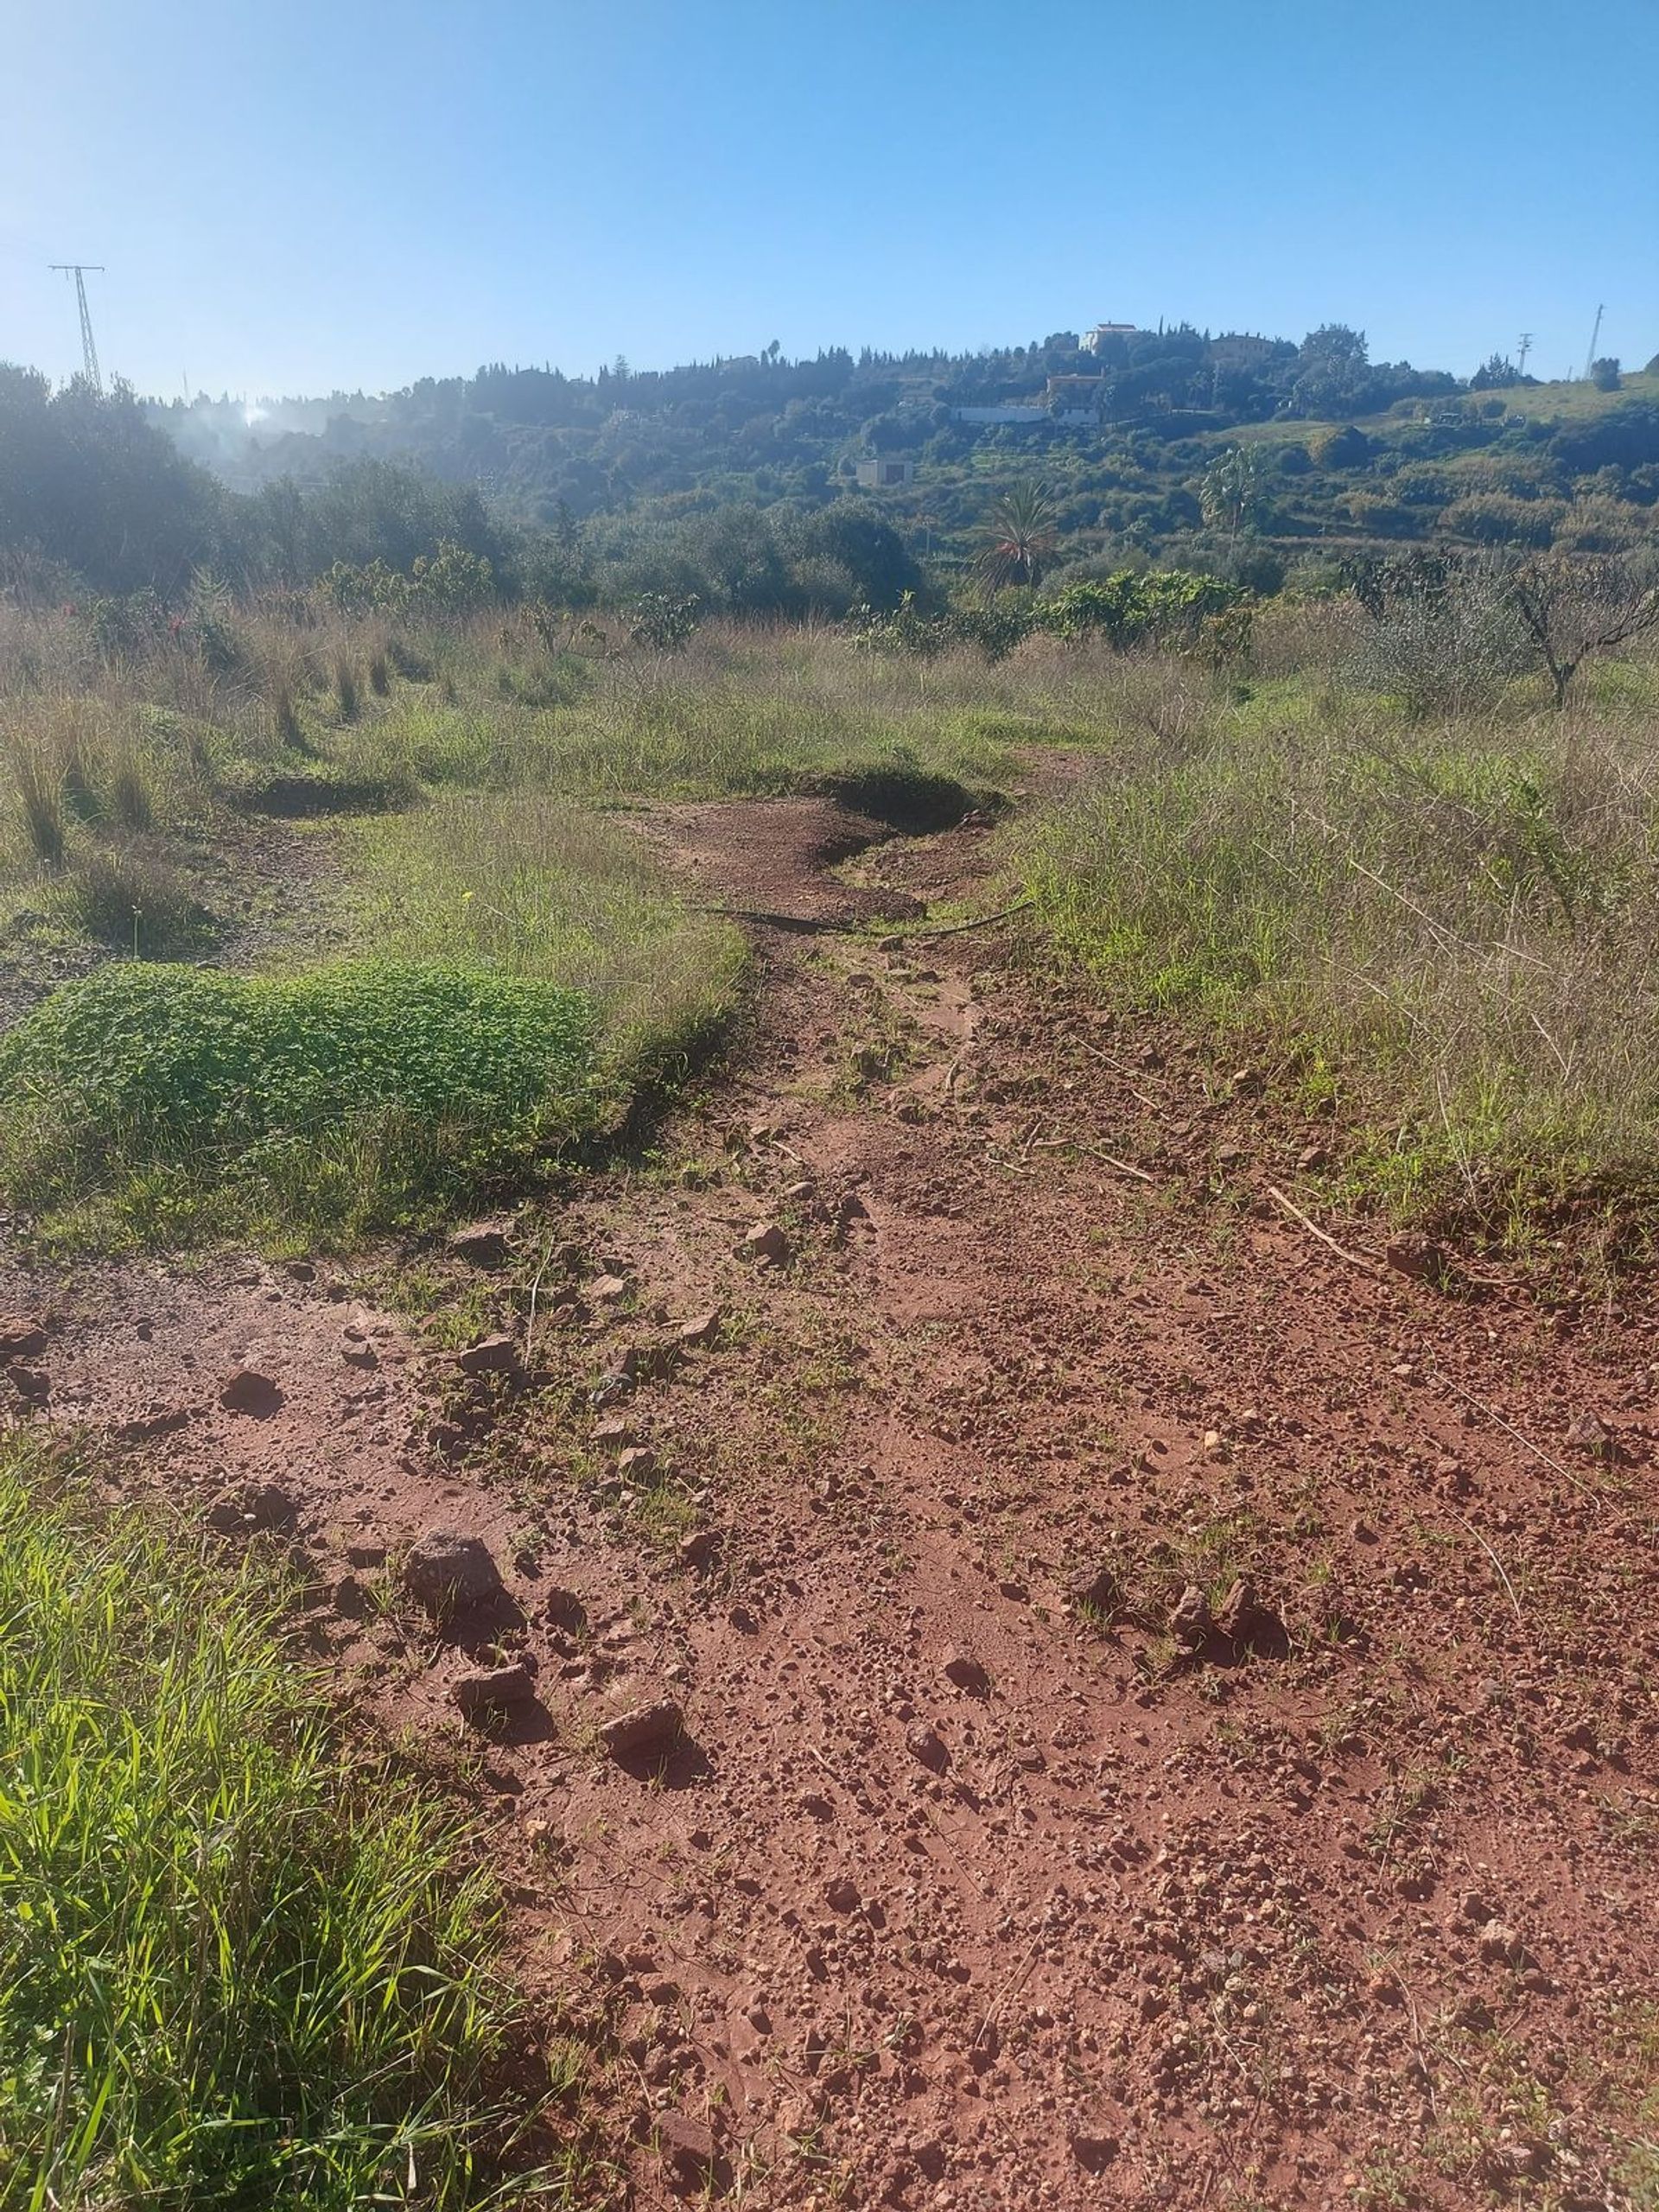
[[765, 1242], [21, 1339], [966, 1672], [497, 1355], [1585, 1433], [253, 1509], [350, 1599], [607, 1290], [493, 1690], [366, 1555], [357, 1350], [1094, 2153], [1244, 1621], [842, 1896], [1189, 1620], [635, 1463], [1500, 1945], [703, 1330], [244, 1390], [563, 1608], [614, 1431], [647, 1728], [687, 2145], [444, 1571], [1095, 1591], [924, 1743], [30, 1384], [1417, 1257], [1473, 1907], [483, 1244]]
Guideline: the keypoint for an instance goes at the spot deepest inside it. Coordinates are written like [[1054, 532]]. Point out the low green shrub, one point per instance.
[[355, 1097]]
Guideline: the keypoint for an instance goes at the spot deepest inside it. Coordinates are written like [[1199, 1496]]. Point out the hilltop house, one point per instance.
[[1093, 340]]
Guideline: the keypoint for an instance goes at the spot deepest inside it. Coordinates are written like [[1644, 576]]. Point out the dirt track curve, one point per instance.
[[991, 1870]]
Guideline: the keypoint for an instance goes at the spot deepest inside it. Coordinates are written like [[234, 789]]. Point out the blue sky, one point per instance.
[[313, 197]]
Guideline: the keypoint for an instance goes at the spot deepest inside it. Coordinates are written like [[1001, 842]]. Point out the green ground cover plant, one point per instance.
[[152, 1099], [235, 1968]]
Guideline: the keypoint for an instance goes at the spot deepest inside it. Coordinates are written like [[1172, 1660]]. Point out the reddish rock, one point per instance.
[[687, 2145], [490, 1691], [19, 1337], [445, 1572], [244, 1390], [966, 1672], [483, 1244], [646, 1728], [765, 1242], [497, 1355]]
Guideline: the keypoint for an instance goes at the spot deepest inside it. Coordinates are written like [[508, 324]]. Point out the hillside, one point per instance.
[[1350, 452]]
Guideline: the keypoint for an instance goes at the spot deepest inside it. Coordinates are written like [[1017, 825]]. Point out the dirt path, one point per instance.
[[992, 1868]]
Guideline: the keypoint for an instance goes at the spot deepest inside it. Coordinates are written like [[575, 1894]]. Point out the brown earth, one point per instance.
[[1169, 1708]]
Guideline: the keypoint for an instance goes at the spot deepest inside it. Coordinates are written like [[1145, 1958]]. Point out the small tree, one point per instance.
[[1605, 373], [1572, 609], [1231, 494], [1020, 539]]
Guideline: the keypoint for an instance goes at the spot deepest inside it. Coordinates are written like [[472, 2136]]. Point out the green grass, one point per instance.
[[235, 1969], [533, 888], [149, 1101]]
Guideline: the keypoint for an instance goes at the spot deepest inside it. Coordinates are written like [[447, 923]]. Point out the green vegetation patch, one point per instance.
[[359, 1096], [1451, 924], [234, 1969]]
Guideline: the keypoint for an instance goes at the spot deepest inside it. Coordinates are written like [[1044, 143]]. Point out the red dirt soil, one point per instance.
[[972, 1882]]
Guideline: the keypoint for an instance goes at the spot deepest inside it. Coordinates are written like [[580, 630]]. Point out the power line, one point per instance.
[[79, 270]]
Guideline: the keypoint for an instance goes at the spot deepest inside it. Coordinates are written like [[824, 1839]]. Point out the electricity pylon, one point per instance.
[[79, 269], [1590, 358]]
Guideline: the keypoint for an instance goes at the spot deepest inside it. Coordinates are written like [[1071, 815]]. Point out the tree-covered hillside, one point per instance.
[[1313, 442]]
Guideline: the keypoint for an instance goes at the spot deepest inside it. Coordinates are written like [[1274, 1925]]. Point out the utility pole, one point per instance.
[[1521, 352], [1589, 358], [79, 270]]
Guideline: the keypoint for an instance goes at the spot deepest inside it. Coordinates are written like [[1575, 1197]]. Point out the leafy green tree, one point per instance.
[[1333, 371], [1605, 373]]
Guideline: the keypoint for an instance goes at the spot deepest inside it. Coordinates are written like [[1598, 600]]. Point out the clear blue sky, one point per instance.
[[310, 197]]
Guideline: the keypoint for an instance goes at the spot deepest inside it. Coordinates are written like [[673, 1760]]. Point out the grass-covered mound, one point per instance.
[[169, 1101], [233, 1969]]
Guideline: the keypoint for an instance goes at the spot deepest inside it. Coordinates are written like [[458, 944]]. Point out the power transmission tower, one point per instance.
[[79, 270], [1590, 358], [1521, 352]]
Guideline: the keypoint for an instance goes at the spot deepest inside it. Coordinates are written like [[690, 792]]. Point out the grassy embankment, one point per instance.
[[543, 969], [1439, 927], [236, 1967]]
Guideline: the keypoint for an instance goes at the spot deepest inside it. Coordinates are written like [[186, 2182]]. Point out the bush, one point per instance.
[[1129, 608]]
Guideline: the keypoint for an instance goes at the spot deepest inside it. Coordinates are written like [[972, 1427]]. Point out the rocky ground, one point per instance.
[[1007, 1655]]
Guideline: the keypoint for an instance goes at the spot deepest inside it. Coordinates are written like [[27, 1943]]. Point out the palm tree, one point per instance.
[[1019, 539]]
